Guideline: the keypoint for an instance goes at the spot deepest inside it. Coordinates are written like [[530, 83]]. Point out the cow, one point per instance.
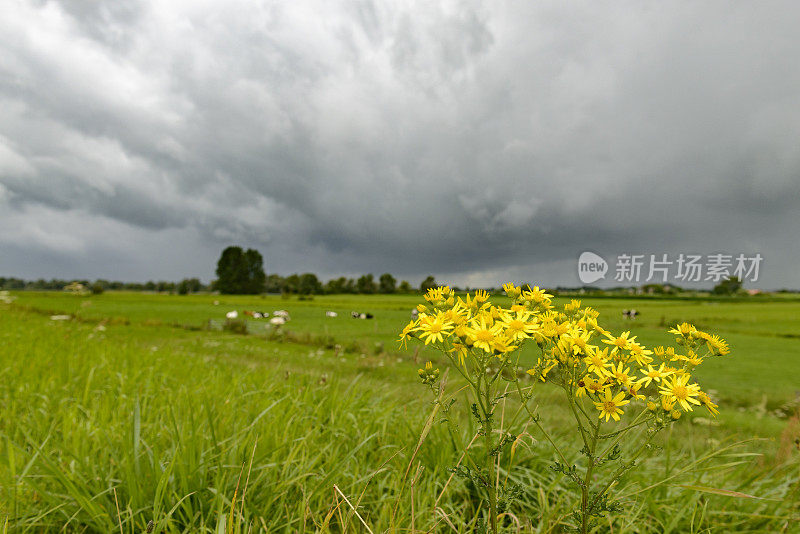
[[629, 314]]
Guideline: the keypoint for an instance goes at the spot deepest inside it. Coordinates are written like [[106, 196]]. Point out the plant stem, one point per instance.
[[490, 467], [620, 433], [571, 403], [485, 398], [535, 419], [636, 455], [587, 481]]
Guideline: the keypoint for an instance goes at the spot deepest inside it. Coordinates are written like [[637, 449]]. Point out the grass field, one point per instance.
[[141, 408]]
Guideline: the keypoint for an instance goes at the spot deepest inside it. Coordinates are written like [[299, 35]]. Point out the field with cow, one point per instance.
[[132, 412]]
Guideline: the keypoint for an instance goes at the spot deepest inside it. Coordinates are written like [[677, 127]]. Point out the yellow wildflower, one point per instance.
[[622, 341], [708, 403], [461, 351], [511, 290], [481, 334], [433, 328], [502, 345], [678, 390], [580, 341], [481, 296], [590, 386], [610, 406], [623, 377], [683, 329], [518, 325], [652, 374], [597, 362], [640, 354], [716, 344], [408, 332]]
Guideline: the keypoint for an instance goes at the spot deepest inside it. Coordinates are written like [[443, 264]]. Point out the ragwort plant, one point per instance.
[[602, 377]]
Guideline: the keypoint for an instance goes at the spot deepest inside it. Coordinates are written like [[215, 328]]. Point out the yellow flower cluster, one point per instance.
[[459, 326], [576, 352]]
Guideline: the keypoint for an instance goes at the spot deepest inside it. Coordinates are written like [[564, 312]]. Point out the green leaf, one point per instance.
[[728, 493]]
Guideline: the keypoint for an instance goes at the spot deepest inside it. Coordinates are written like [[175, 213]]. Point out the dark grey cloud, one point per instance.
[[474, 140]]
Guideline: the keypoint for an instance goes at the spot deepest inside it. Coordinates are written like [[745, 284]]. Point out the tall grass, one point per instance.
[[107, 430]]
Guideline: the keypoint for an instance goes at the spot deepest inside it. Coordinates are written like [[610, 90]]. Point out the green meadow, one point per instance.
[[144, 408]]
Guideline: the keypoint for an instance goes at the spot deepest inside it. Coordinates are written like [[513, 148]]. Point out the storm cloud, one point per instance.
[[477, 141]]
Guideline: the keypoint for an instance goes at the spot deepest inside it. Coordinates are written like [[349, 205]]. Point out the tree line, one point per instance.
[[294, 284], [185, 286], [310, 284], [239, 272]]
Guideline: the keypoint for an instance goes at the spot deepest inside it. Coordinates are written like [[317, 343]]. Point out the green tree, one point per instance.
[[163, 286], [428, 283], [336, 285], [309, 284], [404, 287], [189, 285], [274, 283], [729, 286], [254, 265], [350, 286], [366, 284], [240, 272], [387, 283], [291, 284]]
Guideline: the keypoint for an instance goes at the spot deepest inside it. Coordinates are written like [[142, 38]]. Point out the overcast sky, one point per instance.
[[476, 141]]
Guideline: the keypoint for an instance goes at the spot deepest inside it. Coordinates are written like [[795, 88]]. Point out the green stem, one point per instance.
[[617, 432], [620, 470], [587, 482], [490, 469], [571, 403], [489, 445], [636, 422], [535, 419]]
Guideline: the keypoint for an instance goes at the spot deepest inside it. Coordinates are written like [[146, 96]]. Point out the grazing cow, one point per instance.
[[629, 314], [257, 315], [232, 314], [360, 315], [277, 321], [281, 313], [331, 314], [414, 313], [248, 313]]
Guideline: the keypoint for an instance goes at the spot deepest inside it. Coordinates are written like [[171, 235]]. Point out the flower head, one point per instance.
[[609, 407], [652, 374], [678, 390], [481, 334], [433, 328]]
